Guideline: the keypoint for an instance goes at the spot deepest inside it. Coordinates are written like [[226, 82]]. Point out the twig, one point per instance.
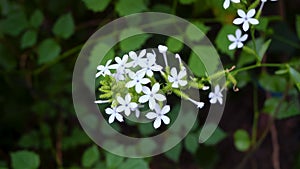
[[276, 148]]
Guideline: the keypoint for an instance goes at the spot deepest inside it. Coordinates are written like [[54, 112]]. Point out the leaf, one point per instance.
[[90, 156], [298, 25], [113, 161], [263, 49], [64, 27], [186, 2], [222, 41], [242, 140], [25, 160], [174, 45], [174, 153], [126, 7], [295, 76], [96, 5], [263, 24], [47, 51], [287, 109], [134, 164], [191, 143], [146, 129], [36, 19], [28, 39], [132, 42], [14, 24], [192, 32], [272, 83], [216, 137]]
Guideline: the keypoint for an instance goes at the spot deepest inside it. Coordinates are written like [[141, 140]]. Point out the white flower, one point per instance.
[[176, 79], [205, 87], [137, 80], [151, 96], [159, 115], [113, 115], [125, 104], [119, 75], [245, 19], [121, 64], [137, 59], [237, 40], [227, 3], [198, 104], [216, 95], [149, 66], [163, 50], [104, 70]]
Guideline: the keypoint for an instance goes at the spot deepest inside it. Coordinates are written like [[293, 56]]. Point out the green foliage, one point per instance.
[[113, 161], [222, 42], [96, 5], [36, 19], [174, 153], [134, 164], [242, 140], [216, 137], [29, 39], [191, 143], [295, 76], [126, 7], [25, 160], [90, 156], [286, 109], [132, 42], [14, 24], [48, 50], [186, 1], [192, 31], [174, 45], [272, 83], [64, 27], [298, 25]]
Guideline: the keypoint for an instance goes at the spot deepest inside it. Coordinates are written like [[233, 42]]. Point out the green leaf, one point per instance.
[[113, 161], [193, 34], [216, 137], [174, 45], [126, 7], [90, 156], [134, 164], [96, 5], [242, 140], [263, 49], [132, 42], [30, 140], [263, 24], [298, 25], [36, 19], [64, 27], [222, 41], [186, 2], [25, 160], [28, 39], [47, 51], [272, 83], [14, 24], [174, 153], [287, 109], [295, 76], [191, 143]]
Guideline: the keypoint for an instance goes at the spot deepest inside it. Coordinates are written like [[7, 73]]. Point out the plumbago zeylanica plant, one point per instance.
[[136, 72]]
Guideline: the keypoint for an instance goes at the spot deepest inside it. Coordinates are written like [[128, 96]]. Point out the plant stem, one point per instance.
[[256, 66]]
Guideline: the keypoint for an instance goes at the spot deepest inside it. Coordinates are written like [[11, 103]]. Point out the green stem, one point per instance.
[[256, 66]]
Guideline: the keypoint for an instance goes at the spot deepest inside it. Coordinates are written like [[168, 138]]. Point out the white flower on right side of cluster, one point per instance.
[[150, 66], [159, 115], [138, 80], [152, 95], [113, 115], [126, 105], [226, 3], [246, 19], [176, 79], [216, 95], [237, 40]]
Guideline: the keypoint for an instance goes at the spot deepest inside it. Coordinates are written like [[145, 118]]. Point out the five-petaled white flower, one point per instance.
[[121, 64], [149, 66], [125, 104], [159, 115], [245, 19], [237, 40], [104, 70], [227, 3], [113, 115], [176, 79], [216, 95], [137, 80], [137, 59], [151, 95]]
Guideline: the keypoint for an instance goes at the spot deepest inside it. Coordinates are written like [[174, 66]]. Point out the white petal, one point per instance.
[[119, 117], [182, 82], [213, 100], [131, 74], [162, 49], [226, 4], [174, 72], [145, 81], [125, 58], [133, 105], [152, 103], [160, 97], [151, 115], [111, 119], [127, 98], [253, 21], [171, 79], [98, 74], [155, 88], [220, 100], [217, 89], [157, 123], [244, 38], [100, 67], [114, 66], [181, 74], [142, 53], [240, 45], [132, 55], [118, 60], [121, 100], [130, 84], [205, 87], [165, 109], [236, 1], [109, 111], [149, 73], [238, 21], [246, 26], [120, 108], [165, 119], [146, 90], [138, 88], [251, 13], [144, 98], [127, 111], [232, 46], [157, 108], [200, 105], [175, 85], [156, 68], [231, 38], [238, 34], [241, 13]]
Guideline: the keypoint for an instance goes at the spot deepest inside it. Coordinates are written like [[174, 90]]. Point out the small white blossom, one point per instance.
[[149, 66], [137, 59], [163, 50], [119, 75], [198, 104], [125, 104], [102, 101], [237, 40], [137, 80], [151, 95], [121, 64], [226, 3], [104, 70], [216, 95], [176, 79], [159, 115], [113, 115], [246, 19], [205, 87]]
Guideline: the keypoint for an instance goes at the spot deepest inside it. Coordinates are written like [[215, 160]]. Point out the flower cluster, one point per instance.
[[129, 84], [246, 19]]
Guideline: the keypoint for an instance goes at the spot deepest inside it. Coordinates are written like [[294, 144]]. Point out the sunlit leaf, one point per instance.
[[64, 27], [28, 39], [126, 7], [242, 140], [25, 160], [96, 5], [48, 50]]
